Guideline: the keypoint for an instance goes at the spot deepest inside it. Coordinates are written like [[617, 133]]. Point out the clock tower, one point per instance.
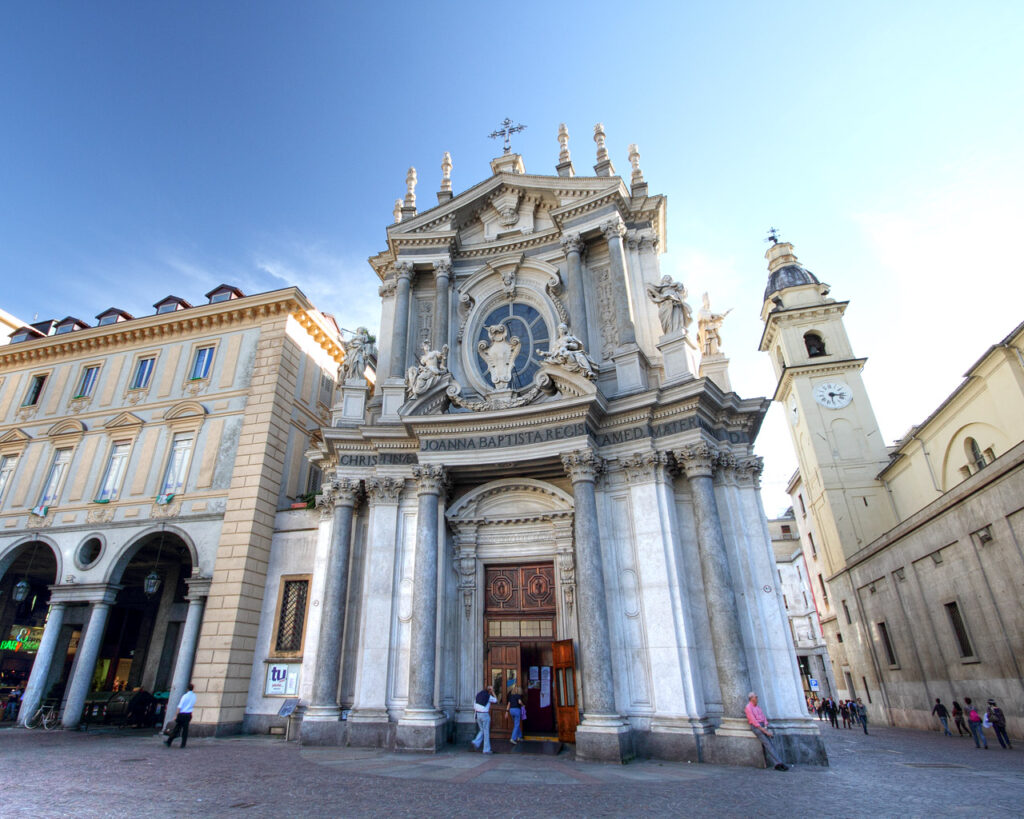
[[837, 441]]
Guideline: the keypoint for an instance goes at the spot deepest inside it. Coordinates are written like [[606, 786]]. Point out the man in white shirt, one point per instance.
[[183, 717], [482, 709]]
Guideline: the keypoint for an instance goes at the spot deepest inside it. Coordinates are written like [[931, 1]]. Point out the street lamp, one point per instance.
[[151, 582], [23, 587]]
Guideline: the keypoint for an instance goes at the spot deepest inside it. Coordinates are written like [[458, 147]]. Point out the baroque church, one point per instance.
[[536, 475]]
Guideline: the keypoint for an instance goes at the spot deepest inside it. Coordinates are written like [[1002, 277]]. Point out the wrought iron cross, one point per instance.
[[773, 236], [506, 130]]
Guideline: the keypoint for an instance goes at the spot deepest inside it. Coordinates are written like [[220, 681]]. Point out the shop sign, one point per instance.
[[22, 638], [282, 679]]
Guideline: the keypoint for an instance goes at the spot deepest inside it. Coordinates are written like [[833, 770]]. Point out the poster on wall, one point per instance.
[[282, 679]]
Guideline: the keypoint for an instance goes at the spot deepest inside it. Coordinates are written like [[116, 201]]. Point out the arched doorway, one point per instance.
[[30, 568], [144, 627]]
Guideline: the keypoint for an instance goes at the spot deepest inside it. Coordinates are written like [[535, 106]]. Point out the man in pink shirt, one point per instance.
[[759, 725]]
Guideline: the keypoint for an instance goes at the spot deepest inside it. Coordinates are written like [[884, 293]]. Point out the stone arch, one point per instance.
[[12, 552], [130, 549], [814, 341], [956, 459], [69, 426], [184, 409], [509, 500]]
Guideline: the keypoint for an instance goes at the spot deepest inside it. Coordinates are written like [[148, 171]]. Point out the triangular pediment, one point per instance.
[[124, 419], [15, 436]]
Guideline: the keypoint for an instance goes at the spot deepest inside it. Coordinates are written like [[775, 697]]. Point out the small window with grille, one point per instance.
[[289, 633]]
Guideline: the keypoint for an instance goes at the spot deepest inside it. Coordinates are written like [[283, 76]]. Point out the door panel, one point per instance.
[[566, 711], [502, 673]]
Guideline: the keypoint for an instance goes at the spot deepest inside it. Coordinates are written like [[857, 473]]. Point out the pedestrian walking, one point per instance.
[[862, 714], [939, 710], [759, 725], [844, 712], [958, 720], [974, 722], [515, 709], [833, 712], [482, 709], [998, 719], [183, 717]]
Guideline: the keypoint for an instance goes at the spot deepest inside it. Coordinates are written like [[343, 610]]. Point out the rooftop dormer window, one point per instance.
[[170, 305], [224, 293], [112, 316], [68, 325]]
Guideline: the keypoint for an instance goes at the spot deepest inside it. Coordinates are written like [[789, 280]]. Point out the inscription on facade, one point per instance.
[[502, 440], [621, 436], [384, 459]]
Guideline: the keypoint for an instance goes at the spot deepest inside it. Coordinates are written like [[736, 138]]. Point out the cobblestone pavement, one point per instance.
[[119, 773]]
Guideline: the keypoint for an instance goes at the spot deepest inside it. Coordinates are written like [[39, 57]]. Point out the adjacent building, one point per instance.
[[142, 463], [551, 485], [917, 548]]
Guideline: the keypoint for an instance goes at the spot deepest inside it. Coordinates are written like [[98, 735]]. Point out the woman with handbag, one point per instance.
[[515, 709]]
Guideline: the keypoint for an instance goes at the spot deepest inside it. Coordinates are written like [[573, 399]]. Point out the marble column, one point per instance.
[[198, 590], [698, 462], [88, 651], [442, 302], [369, 720], [35, 690], [573, 246], [422, 725], [400, 335], [614, 230], [602, 734], [339, 500]]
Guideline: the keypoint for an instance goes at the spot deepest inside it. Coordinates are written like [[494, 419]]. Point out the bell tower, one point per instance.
[[835, 435]]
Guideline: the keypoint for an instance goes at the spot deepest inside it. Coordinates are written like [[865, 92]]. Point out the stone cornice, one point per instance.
[[330, 342], [787, 315], [206, 318], [817, 368]]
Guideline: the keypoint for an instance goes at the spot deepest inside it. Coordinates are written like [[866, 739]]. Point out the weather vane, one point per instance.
[[506, 130], [773, 236]]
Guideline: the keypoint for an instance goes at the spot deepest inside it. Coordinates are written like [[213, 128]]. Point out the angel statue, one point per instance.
[[358, 351], [433, 364], [674, 312], [567, 350], [708, 325]]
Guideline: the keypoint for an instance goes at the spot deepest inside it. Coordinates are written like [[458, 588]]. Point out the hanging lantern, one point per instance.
[[151, 583], [21, 590]]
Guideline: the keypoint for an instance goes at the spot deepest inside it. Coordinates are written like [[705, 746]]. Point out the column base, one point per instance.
[[421, 730], [604, 739], [322, 713], [370, 728], [321, 732], [733, 743], [799, 741], [677, 739]]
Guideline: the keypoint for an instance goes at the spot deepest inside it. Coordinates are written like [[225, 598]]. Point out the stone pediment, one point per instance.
[[15, 437], [69, 426], [510, 499], [124, 419]]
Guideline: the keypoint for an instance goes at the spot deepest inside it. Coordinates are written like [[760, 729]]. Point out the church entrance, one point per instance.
[[519, 632]]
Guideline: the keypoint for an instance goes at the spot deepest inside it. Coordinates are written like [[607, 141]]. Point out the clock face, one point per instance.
[[833, 394]]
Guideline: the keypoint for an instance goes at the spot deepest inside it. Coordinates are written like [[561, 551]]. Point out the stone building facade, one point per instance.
[[919, 545], [798, 600], [142, 462], [539, 490]]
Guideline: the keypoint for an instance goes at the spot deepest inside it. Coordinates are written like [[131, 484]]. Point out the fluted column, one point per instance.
[[442, 302], [432, 482], [34, 692], [614, 230], [89, 650], [698, 462], [573, 246], [198, 589], [400, 336], [582, 467], [339, 500]]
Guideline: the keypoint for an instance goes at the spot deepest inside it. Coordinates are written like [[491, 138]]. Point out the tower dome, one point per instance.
[[784, 270]]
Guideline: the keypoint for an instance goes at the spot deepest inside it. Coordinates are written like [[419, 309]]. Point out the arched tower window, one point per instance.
[[815, 345], [975, 454]]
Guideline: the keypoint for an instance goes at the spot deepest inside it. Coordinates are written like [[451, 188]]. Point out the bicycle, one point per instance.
[[46, 717]]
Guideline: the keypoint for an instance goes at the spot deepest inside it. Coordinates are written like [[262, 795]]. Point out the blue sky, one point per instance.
[[148, 148]]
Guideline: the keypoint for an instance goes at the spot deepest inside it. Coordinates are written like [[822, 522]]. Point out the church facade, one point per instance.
[[550, 485]]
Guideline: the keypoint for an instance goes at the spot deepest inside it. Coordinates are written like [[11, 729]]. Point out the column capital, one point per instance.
[[404, 270], [750, 469], [443, 267], [432, 479], [198, 587], [340, 492], [613, 229], [384, 490], [572, 243], [644, 466], [697, 460], [582, 465]]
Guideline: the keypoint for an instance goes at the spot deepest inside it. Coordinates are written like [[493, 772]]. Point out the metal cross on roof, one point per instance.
[[506, 130], [773, 236]]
